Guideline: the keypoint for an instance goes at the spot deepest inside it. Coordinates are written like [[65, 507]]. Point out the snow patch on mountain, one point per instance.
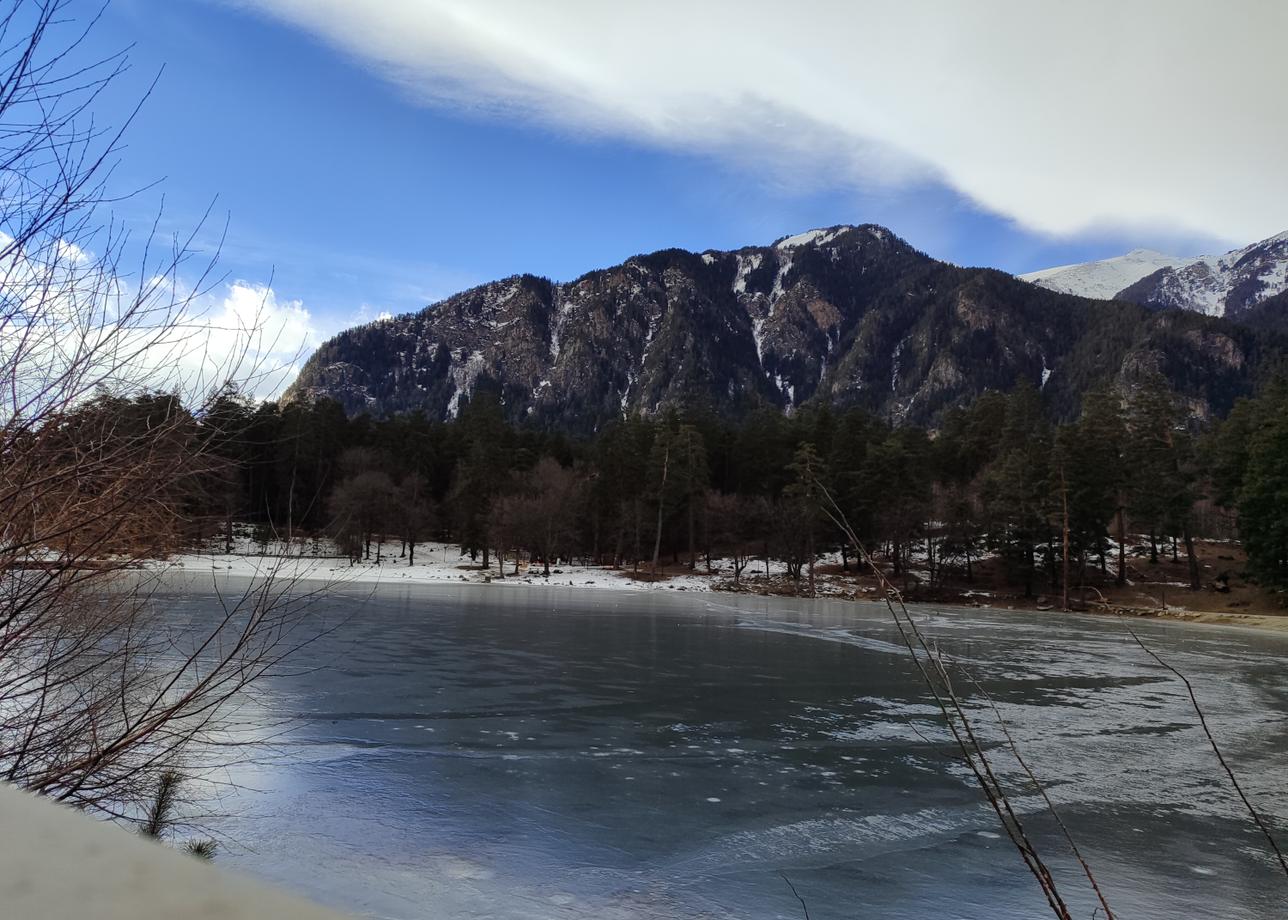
[[463, 376], [1221, 285], [746, 265], [1103, 279], [819, 237], [778, 288], [758, 337], [1217, 285]]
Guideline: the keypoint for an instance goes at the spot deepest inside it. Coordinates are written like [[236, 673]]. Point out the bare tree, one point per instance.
[[414, 512], [551, 509], [99, 691], [731, 523], [505, 524], [105, 381], [361, 507], [792, 536]]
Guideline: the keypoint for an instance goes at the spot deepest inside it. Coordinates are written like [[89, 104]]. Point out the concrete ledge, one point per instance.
[[56, 864]]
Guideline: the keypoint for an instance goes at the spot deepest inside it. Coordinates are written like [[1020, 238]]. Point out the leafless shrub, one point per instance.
[[971, 746], [105, 376]]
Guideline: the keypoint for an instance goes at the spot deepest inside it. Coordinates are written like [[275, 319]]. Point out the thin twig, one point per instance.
[[1055, 813], [1216, 749], [804, 906], [957, 720]]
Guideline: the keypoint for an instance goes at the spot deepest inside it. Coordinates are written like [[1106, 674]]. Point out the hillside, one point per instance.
[[850, 315]]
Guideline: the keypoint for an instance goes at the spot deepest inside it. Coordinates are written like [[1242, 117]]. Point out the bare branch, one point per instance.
[[934, 674], [804, 906], [1216, 749]]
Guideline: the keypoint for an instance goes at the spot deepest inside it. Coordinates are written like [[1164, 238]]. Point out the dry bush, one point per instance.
[[104, 446]]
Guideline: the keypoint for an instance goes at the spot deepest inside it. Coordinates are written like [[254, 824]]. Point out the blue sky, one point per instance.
[[357, 194]]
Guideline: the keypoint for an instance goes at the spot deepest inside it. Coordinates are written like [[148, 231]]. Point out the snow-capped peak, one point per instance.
[[820, 237], [1221, 285], [1103, 279]]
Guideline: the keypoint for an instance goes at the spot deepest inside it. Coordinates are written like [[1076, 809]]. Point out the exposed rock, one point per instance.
[[849, 315]]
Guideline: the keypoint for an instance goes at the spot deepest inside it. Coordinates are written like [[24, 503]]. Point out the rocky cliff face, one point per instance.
[[850, 315]]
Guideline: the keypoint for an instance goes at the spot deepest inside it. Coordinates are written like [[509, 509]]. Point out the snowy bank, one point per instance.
[[444, 563], [436, 563]]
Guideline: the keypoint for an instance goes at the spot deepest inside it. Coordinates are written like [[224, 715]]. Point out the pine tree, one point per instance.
[[1096, 475], [1263, 501], [806, 493], [1018, 487], [661, 481], [481, 470], [692, 477], [1152, 424]]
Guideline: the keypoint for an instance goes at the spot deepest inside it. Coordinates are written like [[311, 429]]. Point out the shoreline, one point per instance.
[[442, 570]]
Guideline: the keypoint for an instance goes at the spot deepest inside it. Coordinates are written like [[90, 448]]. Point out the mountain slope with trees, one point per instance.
[[848, 316]]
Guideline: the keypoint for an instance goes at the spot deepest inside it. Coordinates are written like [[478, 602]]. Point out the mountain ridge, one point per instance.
[[1230, 284], [848, 315]]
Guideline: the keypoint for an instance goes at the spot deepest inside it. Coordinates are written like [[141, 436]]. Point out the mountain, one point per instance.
[[1226, 285], [1104, 279], [846, 315]]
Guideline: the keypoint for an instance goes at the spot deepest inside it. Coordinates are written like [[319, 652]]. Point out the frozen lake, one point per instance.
[[495, 752]]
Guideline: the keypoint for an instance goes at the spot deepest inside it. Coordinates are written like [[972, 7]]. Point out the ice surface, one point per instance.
[[474, 752]]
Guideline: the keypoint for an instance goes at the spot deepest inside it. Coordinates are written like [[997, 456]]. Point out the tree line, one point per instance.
[[1057, 504]]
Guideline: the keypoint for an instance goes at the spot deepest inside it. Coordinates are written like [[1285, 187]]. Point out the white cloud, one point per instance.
[[1063, 116], [69, 325], [249, 334], [366, 313]]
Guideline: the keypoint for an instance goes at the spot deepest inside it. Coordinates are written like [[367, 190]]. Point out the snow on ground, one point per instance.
[[440, 563], [444, 563], [436, 563]]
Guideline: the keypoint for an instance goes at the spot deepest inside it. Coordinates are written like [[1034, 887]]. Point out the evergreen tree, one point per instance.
[[691, 477], [1103, 479], [1018, 486], [806, 492], [662, 479], [620, 473], [995, 475], [1263, 501], [1095, 477], [481, 470], [1158, 497]]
